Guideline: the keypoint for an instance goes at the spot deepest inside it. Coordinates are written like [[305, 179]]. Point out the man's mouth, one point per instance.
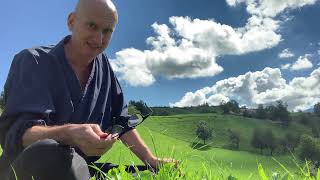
[[93, 46]]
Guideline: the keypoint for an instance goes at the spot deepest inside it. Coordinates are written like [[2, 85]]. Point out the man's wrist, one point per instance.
[[152, 161], [63, 134]]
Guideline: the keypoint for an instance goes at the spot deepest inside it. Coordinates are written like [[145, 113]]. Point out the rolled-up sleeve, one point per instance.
[[119, 107], [27, 101], [13, 141]]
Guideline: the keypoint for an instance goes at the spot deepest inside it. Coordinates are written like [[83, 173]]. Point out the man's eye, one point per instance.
[[92, 26]]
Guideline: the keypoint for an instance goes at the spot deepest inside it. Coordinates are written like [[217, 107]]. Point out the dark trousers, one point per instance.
[[48, 160]]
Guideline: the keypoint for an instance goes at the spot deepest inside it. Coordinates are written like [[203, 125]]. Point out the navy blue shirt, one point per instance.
[[42, 89]]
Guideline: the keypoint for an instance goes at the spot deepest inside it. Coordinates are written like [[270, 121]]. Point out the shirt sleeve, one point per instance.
[[119, 106], [27, 101]]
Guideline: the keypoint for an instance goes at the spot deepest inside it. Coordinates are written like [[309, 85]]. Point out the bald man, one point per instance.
[[61, 100]]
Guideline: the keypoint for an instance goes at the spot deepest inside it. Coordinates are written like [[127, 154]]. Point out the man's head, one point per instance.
[[92, 25]]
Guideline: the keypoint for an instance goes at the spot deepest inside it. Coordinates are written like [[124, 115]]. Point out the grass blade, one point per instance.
[[262, 173]]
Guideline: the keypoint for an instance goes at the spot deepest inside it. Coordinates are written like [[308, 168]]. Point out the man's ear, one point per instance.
[[70, 21]]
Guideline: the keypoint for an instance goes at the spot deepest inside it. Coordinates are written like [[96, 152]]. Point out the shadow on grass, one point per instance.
[[200, 146]]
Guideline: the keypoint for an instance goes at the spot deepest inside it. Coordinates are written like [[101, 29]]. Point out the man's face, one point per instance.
[[91, 29]]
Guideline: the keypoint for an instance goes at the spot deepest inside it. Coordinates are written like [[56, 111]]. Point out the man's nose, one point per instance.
[[98, 37]]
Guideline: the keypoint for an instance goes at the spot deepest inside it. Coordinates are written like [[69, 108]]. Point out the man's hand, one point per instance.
[[135, 143], [155, 162], [90, 139]]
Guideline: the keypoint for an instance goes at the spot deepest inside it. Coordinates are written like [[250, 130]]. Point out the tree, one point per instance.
[[2, 100], [289, 142], [139, 105], [316, 131], [257, 140], [292, 141], [261, 112], [224, 107], [269, 140], [204, 131], [304, 119], [309, 148], [234, 137], [132, 109], [246, 112], [234, 106], [231, 106], [279, 113], [270, 111], [283, 113], [316, 109]]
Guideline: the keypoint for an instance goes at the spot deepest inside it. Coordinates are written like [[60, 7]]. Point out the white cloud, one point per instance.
[[188, 48], [192, 99], [270, 8], [285, 66], [193, 51], [135, 71], [261, 87], [302, 63], [234, 2], [319, 52], [286, 53]]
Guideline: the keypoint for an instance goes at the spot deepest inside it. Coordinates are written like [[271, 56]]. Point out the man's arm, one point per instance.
[[84, 136], [135, 143], [35, 133]]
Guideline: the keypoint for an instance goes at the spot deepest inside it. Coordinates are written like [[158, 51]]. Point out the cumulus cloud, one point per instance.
[[234, 2], [270, 8], [286, 53], [135, 71], [285, 66], [302, 63], [188, 48], [193, 51], [261, 87]]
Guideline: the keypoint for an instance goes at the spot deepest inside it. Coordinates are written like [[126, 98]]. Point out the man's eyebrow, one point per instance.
[[108, 29]]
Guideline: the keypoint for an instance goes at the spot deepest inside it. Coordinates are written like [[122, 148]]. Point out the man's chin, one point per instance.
[[92, 54]]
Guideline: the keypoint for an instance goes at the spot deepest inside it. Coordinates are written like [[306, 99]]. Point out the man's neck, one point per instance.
[[75, 59]]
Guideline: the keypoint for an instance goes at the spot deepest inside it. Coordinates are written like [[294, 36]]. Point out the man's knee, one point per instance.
[[46, 153], [48, 159]]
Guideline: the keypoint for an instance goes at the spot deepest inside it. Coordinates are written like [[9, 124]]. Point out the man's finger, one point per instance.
[[115, 136], [96, 128]]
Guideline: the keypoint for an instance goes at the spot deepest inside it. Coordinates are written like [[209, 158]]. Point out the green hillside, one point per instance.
[[237, 163], [183, 127]]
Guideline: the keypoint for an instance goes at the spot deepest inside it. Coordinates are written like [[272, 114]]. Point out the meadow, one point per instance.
[[174, 136]]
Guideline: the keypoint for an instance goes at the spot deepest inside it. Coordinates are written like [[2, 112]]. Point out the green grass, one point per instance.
[[183, 127], [171, 136], [238, 163]]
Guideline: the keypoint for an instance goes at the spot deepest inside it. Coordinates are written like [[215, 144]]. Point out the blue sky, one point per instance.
[[184, 53]]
